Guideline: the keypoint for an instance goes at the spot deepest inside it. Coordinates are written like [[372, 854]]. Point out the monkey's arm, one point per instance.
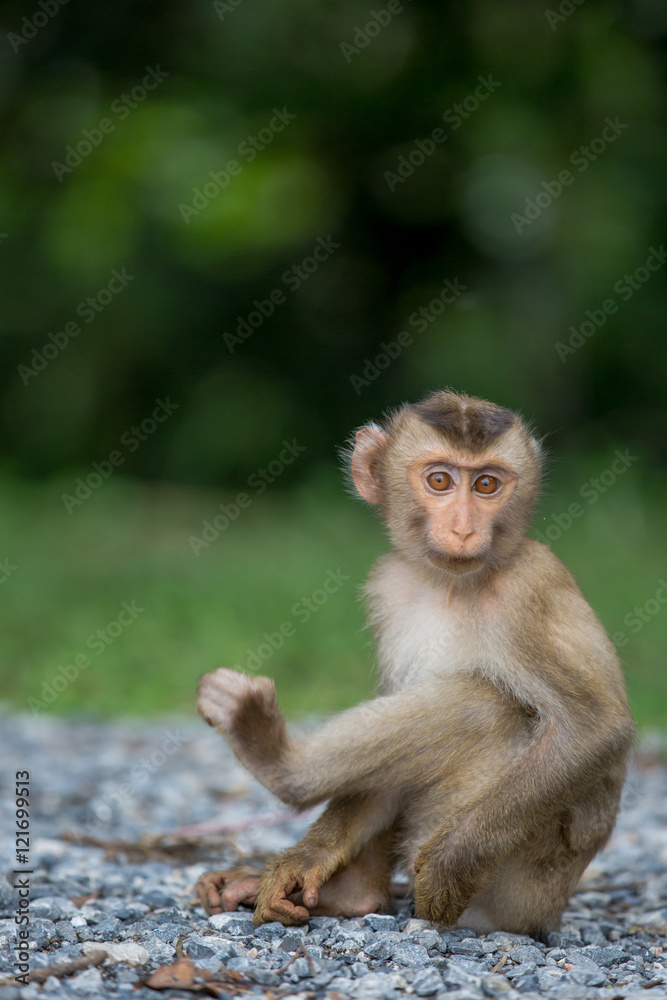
[[406, 739]]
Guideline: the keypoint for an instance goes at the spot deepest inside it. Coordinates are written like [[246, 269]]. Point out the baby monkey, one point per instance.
[[490, 764]]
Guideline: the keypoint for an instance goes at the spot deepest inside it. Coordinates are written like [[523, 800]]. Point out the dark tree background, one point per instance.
[[270, 220], [361, 101]]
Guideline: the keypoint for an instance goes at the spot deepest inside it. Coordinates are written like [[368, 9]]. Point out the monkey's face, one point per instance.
[[456, 501], [455, 480]]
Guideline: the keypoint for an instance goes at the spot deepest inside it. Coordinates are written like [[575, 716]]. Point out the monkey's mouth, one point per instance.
[[455, 564]]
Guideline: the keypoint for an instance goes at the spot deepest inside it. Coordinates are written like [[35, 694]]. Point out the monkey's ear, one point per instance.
[[370, 442]]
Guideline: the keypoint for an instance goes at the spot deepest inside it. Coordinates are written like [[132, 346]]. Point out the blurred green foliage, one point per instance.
[[167, 172]]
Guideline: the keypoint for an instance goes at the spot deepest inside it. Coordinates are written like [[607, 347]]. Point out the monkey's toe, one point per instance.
[[224, 891]]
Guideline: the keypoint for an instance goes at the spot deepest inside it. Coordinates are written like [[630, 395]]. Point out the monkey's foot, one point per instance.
[[291, 894], [223, 694], [224, 891], [442, 890]]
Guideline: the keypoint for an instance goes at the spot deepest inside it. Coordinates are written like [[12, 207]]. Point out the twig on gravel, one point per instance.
[[500, 964], [300, 950], [62, 969], [155, 847], [238, 826]]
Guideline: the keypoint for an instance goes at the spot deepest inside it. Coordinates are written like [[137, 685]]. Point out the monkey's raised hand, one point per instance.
[[245, 712]]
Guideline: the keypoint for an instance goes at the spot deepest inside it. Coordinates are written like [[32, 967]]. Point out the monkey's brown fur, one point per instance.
[[491, 762]]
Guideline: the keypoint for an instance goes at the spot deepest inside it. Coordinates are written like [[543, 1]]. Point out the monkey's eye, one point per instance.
[[439, 481], [486, 485]]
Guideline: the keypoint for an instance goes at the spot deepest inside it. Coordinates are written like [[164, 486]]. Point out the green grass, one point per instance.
[[129, 542]]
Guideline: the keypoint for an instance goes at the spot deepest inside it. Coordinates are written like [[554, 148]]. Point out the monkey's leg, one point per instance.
[[515, 820], [529, 889], [342, 867]]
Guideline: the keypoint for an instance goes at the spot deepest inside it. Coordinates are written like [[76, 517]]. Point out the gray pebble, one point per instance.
[[468, 946], [527, 953], [66, 932], [380, 922], [609, 937], [427, 982], [410, 954], [495, 986], [270, 932]]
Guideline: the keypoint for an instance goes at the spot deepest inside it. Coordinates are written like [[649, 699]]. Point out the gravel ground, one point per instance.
[[137, 783]]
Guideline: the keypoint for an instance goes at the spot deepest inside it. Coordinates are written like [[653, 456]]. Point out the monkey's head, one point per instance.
[[456, 479]]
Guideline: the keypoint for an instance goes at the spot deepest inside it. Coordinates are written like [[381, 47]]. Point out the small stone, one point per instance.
[[300, 969], [378, 950], [195, 950], [109, 929], [374, 986], [381, 922], [42, 932], [495, 986], [527, 953], [516, 971], [468, 946], [410, 954], [557, 940], [588, 977], [527, 984], [265, 977], [290, 943], [429, 938], [66, 932], [607, 956], [155, 899], [88, 981], [52, 908], [271, 931], [427, 982], [415, 925], [125, 951], [582, 960], [234, 927], [467, 965]]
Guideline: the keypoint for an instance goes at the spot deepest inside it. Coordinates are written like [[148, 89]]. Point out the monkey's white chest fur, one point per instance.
[[420, 634]]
